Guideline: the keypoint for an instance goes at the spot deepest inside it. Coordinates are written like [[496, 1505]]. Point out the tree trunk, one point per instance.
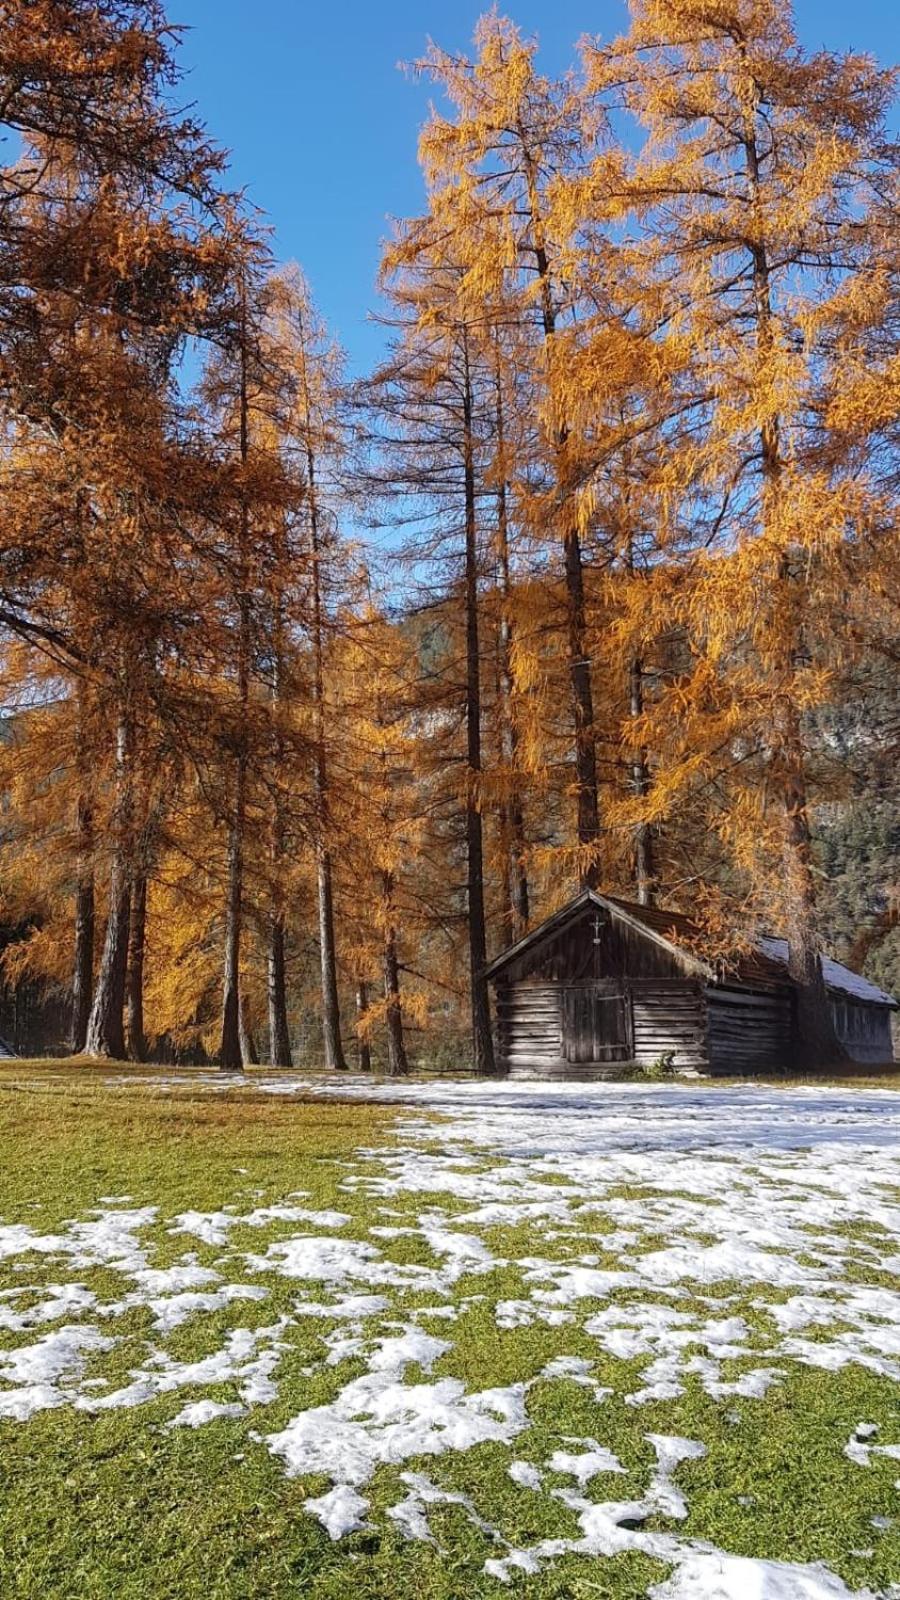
[[583, 705], [85, 909], [512, 819], [398, 1066], [279, 1030], [137, 1045], [363, 1047], [83, 964], [818, 1044], [482, 1039], [231, 1057], [640, 783], [106, 1032], [588, 804], [331, 1010], [249, 1052]]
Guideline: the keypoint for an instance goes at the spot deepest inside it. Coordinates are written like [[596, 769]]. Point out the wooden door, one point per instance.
[[596, 1024]]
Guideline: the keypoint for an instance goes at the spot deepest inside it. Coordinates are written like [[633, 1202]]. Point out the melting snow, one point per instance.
[[586, 1465], [736, 1197], [525, 1474], [340, 1511], [213, 1227], [380, 1418], [200, 1412]]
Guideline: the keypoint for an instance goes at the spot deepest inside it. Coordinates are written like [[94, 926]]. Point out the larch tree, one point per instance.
[[106, 235], [430, 399], [314, 436], [508, 786], [384, 823], [757, 200], [493, 168]]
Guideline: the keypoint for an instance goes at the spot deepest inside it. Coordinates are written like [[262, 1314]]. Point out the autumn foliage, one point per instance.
[[319, 691]]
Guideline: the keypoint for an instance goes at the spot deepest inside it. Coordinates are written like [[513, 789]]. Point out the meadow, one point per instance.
[[282, 1337]]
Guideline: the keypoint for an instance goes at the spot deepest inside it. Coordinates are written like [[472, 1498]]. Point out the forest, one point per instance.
[[320, 688]]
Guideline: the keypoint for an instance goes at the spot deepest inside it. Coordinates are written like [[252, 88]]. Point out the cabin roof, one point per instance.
[[836, 976], [684, 940]]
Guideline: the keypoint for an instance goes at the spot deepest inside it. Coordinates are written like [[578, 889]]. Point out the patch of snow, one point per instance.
[[156, 1281], [17, 1239], [587, 1463], [171, 1311], [243, 1359], [45, 1372], [707, 1574], [524, 1313], [199, 1412], [671, 1451], [214, 1227], [318, 1258], [379, 1419], [65, 1300], [340, 1511], [351, 1307], [411, 1513], [858, 1451], [109, 1239], [576, 1370]]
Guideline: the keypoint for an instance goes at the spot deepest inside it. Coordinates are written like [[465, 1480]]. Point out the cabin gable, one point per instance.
[[597, 943]]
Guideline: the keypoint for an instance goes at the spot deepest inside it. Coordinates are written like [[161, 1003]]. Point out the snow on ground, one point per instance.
[[666, 1215]]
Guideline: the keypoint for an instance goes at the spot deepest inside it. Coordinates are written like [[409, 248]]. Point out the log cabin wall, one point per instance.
[[749, 1030], [863, 1029], [669, 1021], [529, 1029]]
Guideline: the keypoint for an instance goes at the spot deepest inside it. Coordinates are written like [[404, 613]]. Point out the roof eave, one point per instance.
[[885, 1002]]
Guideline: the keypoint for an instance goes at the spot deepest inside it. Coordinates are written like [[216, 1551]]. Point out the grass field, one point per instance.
[[447, 1340]]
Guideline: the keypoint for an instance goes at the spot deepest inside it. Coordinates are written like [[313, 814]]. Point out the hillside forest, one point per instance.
[[320, 688]]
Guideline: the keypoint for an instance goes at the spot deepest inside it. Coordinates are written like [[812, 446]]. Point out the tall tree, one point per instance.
[[83, 957], [756, 196], [431, 399], [514, 870], [314, 430], [492, 170]]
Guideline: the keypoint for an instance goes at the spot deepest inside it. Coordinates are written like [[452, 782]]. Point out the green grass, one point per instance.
[[116, 1506]]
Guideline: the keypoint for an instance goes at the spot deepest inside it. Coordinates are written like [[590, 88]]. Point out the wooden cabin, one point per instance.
[[604, 983]]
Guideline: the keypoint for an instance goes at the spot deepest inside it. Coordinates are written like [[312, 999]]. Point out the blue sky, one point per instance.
[[322, 126]]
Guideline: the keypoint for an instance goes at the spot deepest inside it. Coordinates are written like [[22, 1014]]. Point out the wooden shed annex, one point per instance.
[[605, 982]]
